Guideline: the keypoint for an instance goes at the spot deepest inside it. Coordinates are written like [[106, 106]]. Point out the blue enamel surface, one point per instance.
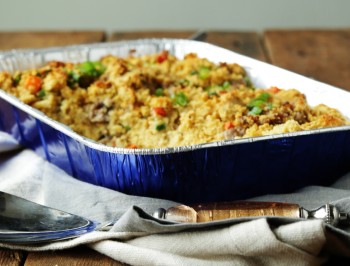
[[219, 173]]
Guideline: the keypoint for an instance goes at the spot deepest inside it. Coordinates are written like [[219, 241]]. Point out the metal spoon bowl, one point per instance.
[[23, 221]]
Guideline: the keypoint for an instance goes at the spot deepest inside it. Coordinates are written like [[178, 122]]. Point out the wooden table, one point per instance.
[[321, 54]]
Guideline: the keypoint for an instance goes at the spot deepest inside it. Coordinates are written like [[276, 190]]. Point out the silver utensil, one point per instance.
[[26, 222], [23, 221], [228, 210]]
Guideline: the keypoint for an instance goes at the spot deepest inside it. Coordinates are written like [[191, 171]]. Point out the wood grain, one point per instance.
[[12, 258], [77, 256], [246, 43], [208, 212], [41, 39], [321, 54]]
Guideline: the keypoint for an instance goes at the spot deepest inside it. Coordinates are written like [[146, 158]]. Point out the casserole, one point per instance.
[[217, 171]]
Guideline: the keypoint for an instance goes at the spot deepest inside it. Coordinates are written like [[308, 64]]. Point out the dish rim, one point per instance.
[[19, 53]]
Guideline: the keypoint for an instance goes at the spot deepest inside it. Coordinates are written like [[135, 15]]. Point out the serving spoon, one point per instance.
[[23, 221], [26, 222]]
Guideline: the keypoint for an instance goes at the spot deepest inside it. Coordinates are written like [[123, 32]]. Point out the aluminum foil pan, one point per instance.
[[219, 171]]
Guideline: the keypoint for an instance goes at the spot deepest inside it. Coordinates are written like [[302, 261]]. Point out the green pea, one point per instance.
[[160, 127]]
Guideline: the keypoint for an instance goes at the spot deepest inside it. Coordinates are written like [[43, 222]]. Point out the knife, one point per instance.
[[228, 210]]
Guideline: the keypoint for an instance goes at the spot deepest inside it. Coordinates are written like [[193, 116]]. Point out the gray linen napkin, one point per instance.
[[139, 239]]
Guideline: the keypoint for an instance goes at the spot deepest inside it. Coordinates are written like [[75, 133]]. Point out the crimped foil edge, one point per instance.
[[164, 43]]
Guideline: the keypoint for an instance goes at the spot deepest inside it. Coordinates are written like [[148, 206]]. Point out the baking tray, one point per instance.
[[218, 171]]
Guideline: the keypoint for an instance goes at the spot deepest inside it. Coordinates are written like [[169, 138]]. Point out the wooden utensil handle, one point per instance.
[[226, 210]]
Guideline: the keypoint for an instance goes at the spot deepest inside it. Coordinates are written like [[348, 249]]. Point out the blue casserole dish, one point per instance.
[[219, 171]]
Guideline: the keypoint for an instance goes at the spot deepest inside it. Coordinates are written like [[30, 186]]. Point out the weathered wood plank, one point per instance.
[[320, 54], [12, 258], [247, 43], [77, 256], [40, 39]]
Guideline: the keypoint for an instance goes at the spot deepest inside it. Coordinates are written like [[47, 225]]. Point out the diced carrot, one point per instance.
[[228, 125], [274, 89], [132, 146], [160, 111], [33, 84], [162, 57]]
